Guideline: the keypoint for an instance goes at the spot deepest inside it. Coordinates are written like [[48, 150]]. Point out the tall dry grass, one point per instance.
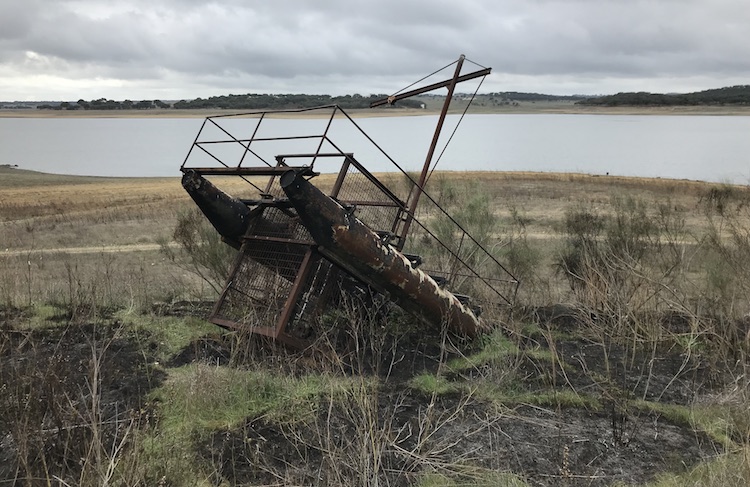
[[620, 255]]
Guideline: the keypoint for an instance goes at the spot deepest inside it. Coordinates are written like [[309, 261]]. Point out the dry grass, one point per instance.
[[105, 269], [70, 214], [43, 211]]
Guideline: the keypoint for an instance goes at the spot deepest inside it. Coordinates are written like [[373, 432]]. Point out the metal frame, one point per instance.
[[281, 251]]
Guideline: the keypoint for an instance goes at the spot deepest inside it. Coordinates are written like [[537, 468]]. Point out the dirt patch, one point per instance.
[[543, 446], [393, 431], [628, 368], [211, 349], [68, 391], [399, 434], [666, 375]]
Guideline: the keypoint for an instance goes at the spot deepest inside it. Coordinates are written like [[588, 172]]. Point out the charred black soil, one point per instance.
[[552, 408], [544, 446], [67, 389]]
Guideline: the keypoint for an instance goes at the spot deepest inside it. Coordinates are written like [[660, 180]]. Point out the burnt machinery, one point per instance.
[[313, 223]]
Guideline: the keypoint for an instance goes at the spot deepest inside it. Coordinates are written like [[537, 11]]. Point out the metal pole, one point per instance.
[[416, 191], [390, 100]]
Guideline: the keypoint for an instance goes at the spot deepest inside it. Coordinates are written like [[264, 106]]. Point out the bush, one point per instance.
[[200, 249]]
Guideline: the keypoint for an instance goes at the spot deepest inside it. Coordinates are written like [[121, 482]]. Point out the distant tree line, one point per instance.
[[231, 102], [731, 95], [519, 96], [283, 102], [104, 104]]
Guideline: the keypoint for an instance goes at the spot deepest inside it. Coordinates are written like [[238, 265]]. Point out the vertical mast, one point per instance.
[[417, 190]]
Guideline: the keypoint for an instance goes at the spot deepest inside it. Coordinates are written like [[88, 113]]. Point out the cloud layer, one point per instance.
[[173, 49]]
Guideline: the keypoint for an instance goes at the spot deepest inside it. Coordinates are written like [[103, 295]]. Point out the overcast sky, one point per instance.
[[180, 49]]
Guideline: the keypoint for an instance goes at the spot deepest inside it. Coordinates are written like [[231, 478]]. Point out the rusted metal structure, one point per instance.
[[320, 224]]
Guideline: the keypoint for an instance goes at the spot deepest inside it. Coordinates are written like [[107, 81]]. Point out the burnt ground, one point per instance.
[[614, 436], [47, 375], [542, 445], [59, 381]]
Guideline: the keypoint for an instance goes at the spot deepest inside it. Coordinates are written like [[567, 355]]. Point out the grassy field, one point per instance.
[[623, 362]]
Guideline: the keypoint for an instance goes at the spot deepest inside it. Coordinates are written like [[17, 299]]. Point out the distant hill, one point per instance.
[[249, 101], [11, 176], [520, 96], [731, 95], [252, 101]]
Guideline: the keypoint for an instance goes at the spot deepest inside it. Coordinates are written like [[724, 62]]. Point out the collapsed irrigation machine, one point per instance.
[[315, 224]]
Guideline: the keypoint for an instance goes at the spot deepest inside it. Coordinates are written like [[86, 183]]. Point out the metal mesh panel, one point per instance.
[[275, 189], [280, 224], [322, 286], [379, 218], [375, 208], [358, 187], [260, 284]]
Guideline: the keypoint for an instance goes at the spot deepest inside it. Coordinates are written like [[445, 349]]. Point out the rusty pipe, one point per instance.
[[349, 243], [228, 215], [231, 218]]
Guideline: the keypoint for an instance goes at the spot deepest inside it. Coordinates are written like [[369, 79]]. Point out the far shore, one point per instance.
[[522, 108]]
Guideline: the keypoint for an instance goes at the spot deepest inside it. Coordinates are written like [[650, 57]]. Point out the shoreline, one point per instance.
[[523, 109], [539, 176]]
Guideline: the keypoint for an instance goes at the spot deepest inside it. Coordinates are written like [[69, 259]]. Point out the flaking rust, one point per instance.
[[301, 250], [350, 244]]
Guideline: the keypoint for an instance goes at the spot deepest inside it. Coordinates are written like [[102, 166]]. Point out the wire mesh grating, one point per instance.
[[260, 283]]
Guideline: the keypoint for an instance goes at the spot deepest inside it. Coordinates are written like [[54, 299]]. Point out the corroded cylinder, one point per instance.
[[228, 215], [352, 245]]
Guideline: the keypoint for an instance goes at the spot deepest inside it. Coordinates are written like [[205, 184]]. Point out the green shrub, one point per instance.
[[200, 249]]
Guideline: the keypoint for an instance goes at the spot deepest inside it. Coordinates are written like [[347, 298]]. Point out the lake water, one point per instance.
[[709, 148]]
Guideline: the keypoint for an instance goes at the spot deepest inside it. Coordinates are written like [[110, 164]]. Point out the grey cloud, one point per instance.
[[330, 45]]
